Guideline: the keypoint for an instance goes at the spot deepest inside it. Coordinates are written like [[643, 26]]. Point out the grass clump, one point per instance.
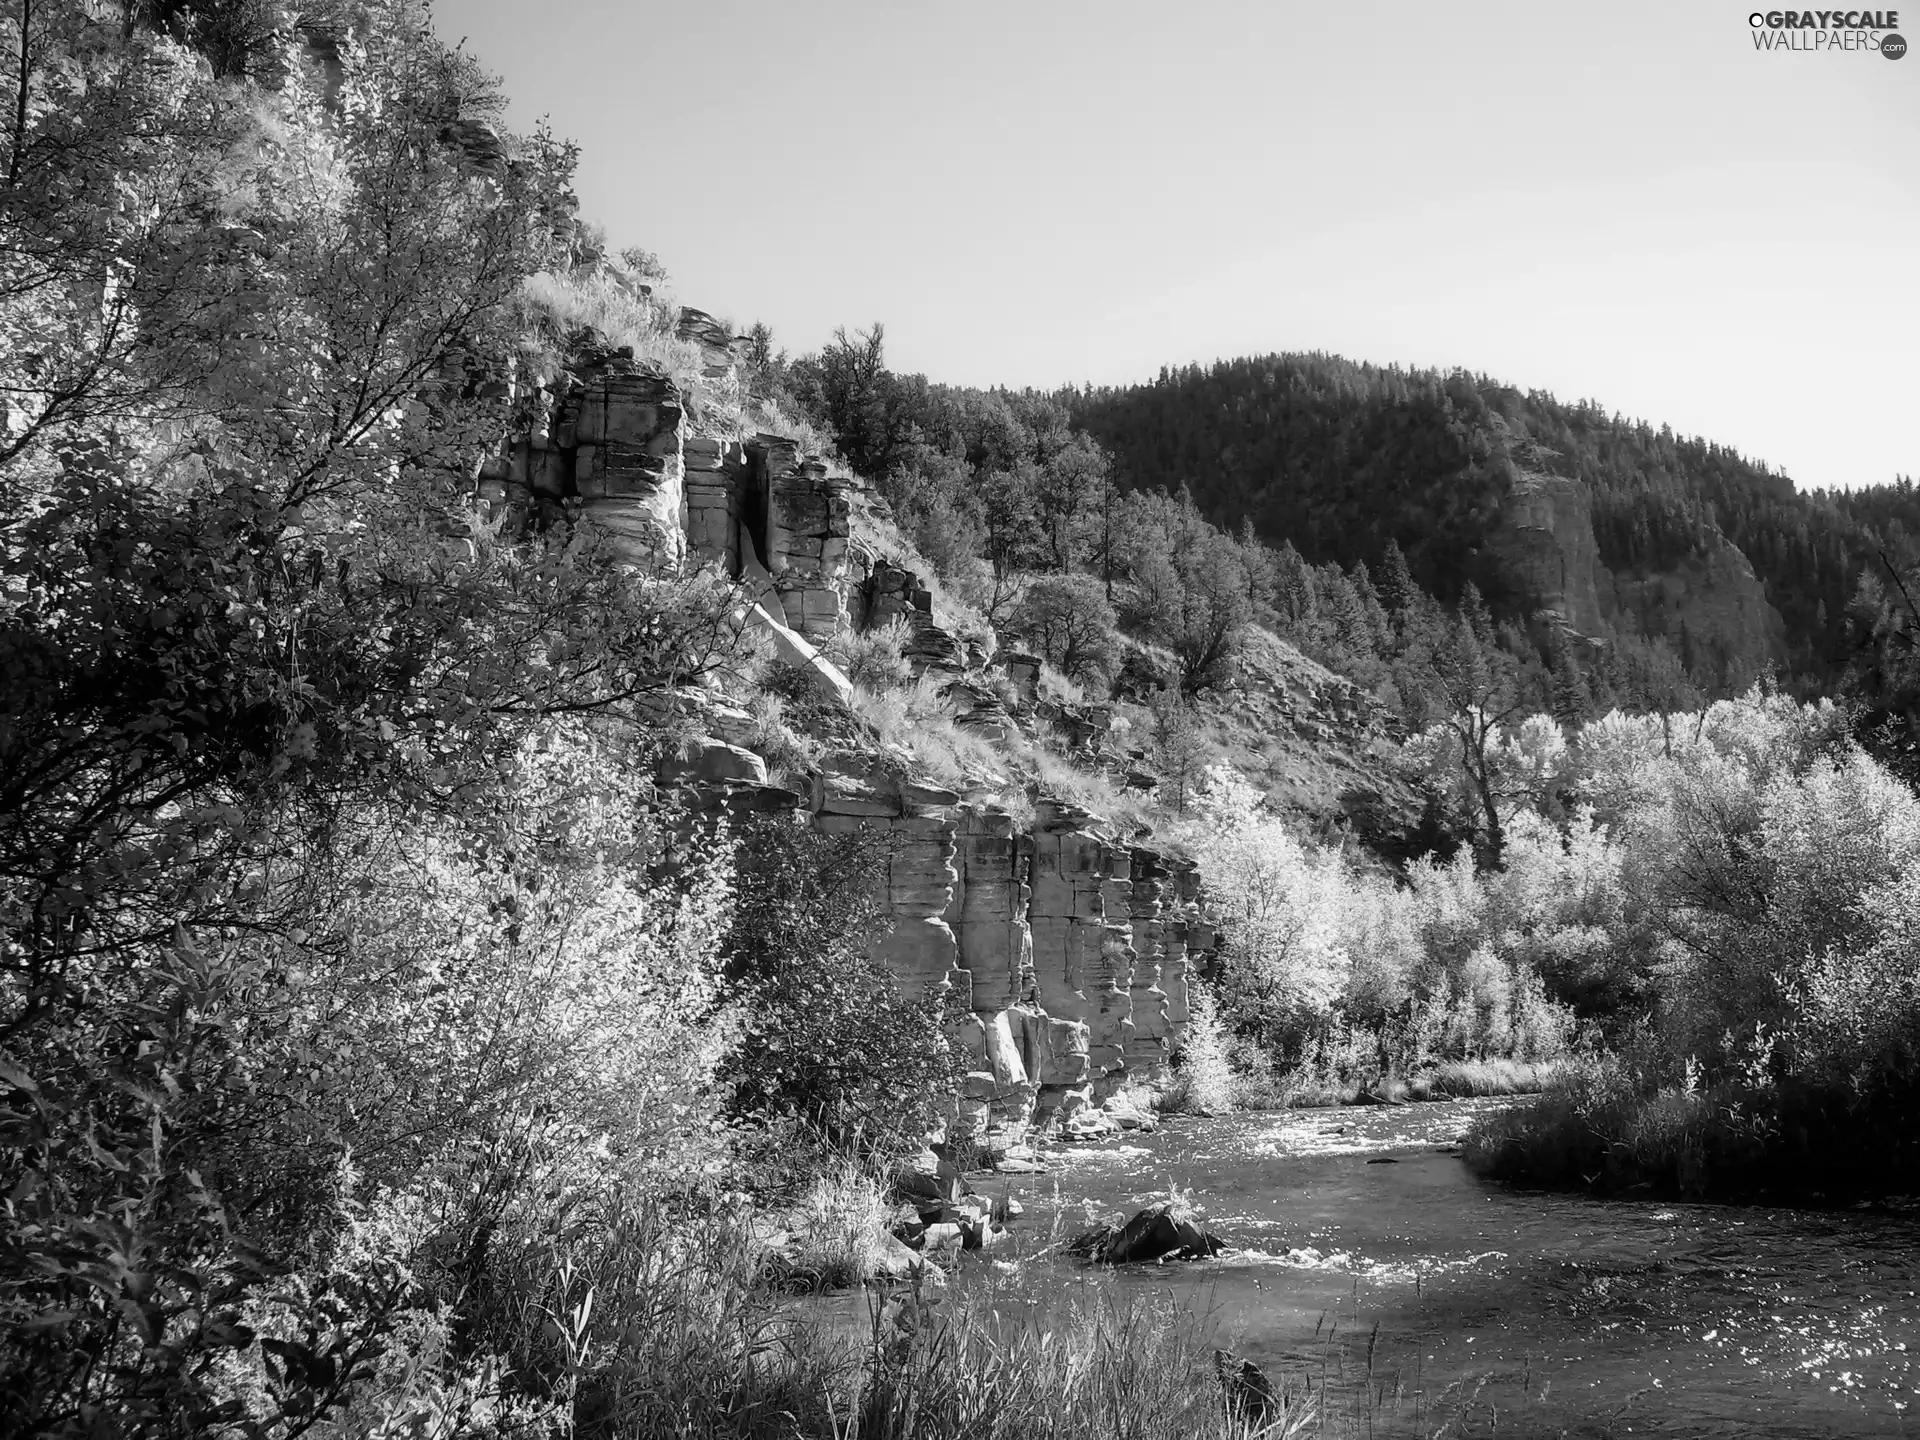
[[838, 1228], [918, 719], [1469, 1079]]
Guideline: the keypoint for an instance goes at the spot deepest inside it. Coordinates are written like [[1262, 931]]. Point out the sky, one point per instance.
[[1627, 202]]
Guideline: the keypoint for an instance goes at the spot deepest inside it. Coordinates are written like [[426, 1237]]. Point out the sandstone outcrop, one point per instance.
[[1067, 948], [1545, 538]]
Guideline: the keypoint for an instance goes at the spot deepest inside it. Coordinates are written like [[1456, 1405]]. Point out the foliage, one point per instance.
[[1205, 1072], [337, 974], [1066, 620], [833, 1041], [499, 1030], [871, 658], [1765, 872]]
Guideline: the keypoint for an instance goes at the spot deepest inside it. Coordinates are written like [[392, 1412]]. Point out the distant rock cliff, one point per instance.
[[1707, 604]]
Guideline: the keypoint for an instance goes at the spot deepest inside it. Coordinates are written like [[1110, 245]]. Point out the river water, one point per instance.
[[1424, 1299]]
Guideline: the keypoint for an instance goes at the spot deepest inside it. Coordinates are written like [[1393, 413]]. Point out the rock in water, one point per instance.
[[1160, 1230], [894, 1261], [1249, 1395]]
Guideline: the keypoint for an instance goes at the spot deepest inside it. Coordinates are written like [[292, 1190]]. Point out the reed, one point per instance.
[[651, 1325]]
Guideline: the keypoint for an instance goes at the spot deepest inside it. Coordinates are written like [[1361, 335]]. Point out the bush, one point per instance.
[[872, 659], [496, 1045], [1205, 1074], [1066, 620], [832, 1043]]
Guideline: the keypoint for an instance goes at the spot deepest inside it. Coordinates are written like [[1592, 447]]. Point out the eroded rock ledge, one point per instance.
[[1068, 946]]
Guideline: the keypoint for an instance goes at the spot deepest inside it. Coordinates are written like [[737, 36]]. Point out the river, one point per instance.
[[1488, 1310]]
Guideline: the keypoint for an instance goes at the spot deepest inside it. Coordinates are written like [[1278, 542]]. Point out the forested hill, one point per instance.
[[1338, 458]]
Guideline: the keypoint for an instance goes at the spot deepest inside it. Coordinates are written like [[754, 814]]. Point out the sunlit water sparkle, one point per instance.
[[1504, 1311]]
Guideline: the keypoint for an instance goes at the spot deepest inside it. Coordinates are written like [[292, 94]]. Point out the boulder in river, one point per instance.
[[1167, 1228]]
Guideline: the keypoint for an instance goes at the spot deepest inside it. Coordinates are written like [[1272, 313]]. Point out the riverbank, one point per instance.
[[1600, 1127], [1448, 1080], [1422, 1298], [1365, 1266]]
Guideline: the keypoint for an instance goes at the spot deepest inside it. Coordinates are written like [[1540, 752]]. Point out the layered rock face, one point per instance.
[[1708, 605], [1068, 949], [609, 434], [1545, 537], [1075, 974]]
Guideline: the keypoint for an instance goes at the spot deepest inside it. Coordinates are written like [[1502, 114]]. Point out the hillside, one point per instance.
[[1620, 528]]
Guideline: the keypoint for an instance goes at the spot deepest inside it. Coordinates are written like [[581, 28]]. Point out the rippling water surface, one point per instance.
[[1490, 1310]]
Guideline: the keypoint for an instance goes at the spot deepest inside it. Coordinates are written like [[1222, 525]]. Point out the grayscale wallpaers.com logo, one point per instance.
[[1815, 30]]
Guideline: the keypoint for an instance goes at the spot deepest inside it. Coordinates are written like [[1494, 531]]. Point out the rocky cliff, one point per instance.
[[1068, 945], [1709, 605]]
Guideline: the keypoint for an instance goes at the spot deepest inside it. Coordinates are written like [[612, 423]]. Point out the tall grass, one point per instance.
[[554, 307], [1468, 1079], [1089, 1366], [918, 718], [838, 1227], [654, 1325]]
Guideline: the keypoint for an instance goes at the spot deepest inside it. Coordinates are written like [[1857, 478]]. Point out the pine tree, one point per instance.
[[1398, 592]]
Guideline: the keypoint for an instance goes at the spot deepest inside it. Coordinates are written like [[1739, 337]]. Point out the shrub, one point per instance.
[[1206, 1076], [786, 750], [1066, 620], [871, 659], [831, 1040]]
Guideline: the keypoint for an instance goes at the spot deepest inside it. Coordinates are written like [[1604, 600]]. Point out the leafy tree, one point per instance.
[[1069, 485], [274, 697], [1066, 620], [1179, 748], [1203, 607], [832, 1042], [1471, 689], [1013, 536], [849, 389]]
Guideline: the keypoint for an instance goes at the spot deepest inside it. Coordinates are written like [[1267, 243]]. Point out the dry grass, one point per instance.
[[1058, 778], [555, 306], [918, 719], [837, 1228], [1465, 1079]]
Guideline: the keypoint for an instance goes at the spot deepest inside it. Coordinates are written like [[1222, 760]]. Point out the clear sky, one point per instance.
[[1623, 201]]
